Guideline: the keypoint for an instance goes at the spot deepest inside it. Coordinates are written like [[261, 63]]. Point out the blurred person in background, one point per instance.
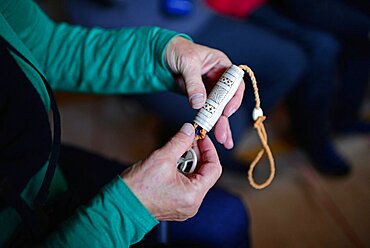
[[292, 63], [205, 26], [80, 199], [310, 104], [349, 22]]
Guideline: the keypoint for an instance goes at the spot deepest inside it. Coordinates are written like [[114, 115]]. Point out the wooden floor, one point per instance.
[[299, 209]]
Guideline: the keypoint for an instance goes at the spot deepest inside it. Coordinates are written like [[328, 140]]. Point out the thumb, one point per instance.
[[194, 86], [179, 143]]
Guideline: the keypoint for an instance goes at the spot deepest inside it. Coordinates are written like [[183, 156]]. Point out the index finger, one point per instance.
[[235, 101], [194, 86], [210, 170]]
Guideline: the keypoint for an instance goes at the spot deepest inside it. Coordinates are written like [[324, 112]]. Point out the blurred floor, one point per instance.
[[299, 209]]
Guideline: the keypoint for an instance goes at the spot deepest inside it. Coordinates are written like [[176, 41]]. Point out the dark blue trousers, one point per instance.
[[290, 63], [222, 220], [311, 101], [349, 22]]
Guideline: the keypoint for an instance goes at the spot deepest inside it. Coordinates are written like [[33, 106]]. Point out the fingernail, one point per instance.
[[197, 100], [223, 139], [188, 129]]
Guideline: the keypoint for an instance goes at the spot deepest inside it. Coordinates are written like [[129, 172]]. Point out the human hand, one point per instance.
[[197, 68], [163, 190]]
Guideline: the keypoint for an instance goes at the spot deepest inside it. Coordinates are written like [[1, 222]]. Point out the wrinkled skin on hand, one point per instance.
[[163, 190], [196, 69]]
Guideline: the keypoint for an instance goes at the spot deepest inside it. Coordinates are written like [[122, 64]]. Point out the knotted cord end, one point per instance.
[[258, 118], [257, 112]]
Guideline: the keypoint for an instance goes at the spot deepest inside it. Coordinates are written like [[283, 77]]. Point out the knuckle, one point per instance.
[[188, 59], [194, 212], [158, 156], [191, 214], [192, 87], [222, 57], [219, 53], [219, 170], [190, 201], [178, 141]]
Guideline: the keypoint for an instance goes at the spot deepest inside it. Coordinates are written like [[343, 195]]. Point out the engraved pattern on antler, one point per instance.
[[209, 107], [218, 94], [227, 81]]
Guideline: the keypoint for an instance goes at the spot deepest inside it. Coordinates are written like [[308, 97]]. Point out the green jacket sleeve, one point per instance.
[[114, 218], [92, 60]]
